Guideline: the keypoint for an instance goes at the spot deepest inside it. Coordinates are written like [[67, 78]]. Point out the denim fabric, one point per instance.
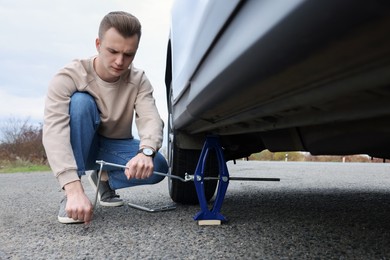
[[88, 146]]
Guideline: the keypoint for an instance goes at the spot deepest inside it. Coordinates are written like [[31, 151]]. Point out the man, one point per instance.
[[89, 112]]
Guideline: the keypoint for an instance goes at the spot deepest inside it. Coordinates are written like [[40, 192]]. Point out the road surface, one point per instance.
[[316, 211]]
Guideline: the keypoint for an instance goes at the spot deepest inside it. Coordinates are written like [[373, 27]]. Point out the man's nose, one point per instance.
[[119, 59]]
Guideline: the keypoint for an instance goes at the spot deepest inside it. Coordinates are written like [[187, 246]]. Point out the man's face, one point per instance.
[[116, 53]]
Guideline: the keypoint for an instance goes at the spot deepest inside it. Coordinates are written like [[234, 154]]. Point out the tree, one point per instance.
[[20, 140]]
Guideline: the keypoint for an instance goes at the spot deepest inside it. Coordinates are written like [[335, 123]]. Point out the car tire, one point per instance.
[[182, 161], [185, 161]]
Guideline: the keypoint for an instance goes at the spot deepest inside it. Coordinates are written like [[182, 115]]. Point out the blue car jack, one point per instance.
[[213, 216]]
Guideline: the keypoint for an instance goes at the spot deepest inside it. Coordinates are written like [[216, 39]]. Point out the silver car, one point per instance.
[[279, 75]]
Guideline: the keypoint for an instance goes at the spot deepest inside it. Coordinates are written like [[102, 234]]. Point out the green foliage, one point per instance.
[[21, 166]]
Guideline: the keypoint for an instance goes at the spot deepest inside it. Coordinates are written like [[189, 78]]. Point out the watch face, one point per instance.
[[147, 151]]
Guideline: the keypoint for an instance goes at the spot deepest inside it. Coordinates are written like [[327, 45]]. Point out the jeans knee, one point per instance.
[[82, 104], [160, 163]]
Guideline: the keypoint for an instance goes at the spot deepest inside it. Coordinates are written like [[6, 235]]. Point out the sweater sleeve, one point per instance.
[[148, 121], [56, 130]]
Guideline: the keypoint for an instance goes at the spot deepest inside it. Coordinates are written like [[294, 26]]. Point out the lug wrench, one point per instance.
[[186, 178], [97, 186]]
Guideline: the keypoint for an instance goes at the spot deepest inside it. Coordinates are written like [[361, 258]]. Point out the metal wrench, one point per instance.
[[97, 186], [186, 178]]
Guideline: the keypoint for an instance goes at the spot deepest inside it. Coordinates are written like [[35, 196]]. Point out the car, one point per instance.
[[310, 76]]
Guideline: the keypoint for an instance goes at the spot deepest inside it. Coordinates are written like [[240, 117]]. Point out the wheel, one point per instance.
[[183, 161]]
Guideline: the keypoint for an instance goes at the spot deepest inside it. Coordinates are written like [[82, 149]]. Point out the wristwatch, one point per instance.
[[147, 151]]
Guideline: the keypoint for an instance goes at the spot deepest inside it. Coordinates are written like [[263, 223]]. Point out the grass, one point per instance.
[[21, 166]]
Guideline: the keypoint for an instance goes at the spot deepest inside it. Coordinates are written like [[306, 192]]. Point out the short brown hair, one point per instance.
[[126, 24]]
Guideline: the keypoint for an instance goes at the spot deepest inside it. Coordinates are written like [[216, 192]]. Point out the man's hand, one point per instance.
[[78, 205], [139, 167]]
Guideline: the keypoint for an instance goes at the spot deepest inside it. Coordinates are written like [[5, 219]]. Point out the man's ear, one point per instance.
[[97, 44]]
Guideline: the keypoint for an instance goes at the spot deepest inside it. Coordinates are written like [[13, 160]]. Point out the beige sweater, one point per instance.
[[117, 103]]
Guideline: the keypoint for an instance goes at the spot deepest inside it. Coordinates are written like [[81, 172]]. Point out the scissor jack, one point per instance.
[[205, 216], [213, 216]]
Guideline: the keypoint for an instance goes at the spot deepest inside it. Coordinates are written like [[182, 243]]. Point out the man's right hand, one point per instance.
[[78, 205]]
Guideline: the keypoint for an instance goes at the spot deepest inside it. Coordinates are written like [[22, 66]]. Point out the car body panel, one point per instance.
[[188, 18]]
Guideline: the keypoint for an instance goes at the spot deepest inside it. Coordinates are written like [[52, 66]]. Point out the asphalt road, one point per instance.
[[317, 211]]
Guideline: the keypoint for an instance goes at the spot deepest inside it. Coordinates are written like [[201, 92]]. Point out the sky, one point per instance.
[[39, 37]]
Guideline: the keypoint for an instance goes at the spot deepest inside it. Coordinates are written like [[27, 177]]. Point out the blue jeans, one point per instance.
[[88, 146]]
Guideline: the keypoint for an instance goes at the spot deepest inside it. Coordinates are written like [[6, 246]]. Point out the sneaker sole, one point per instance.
[[66, 220], [102, 203], [111, 204]]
